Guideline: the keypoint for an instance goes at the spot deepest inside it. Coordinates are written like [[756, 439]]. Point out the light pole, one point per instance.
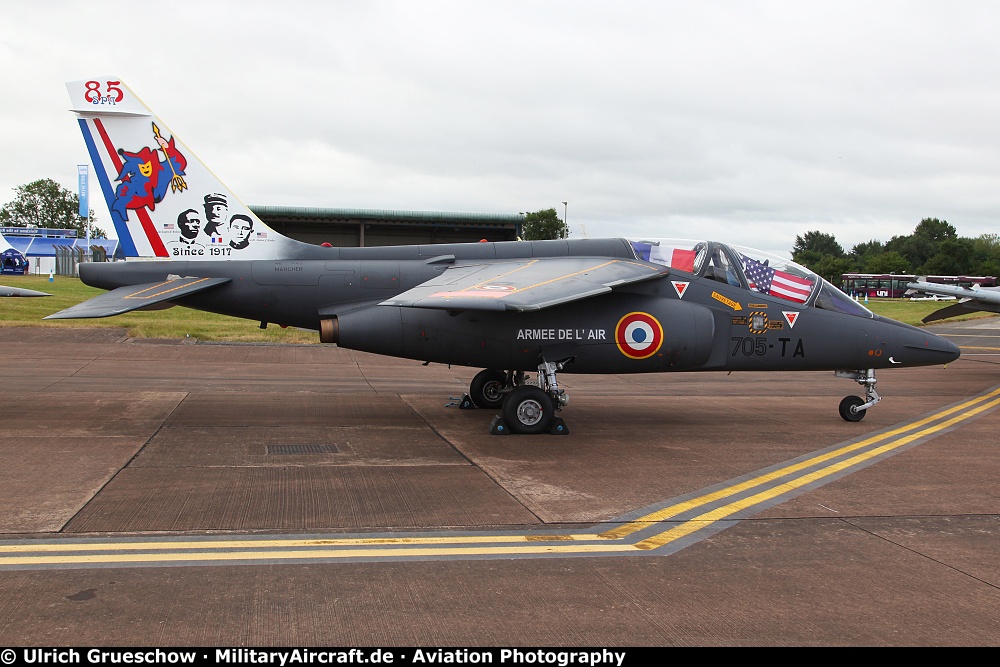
[[565, 216]]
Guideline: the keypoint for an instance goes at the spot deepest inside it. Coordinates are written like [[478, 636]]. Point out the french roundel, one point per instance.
[[639, 335]]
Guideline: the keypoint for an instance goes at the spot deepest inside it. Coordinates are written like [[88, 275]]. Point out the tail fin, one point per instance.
[[164, 202]]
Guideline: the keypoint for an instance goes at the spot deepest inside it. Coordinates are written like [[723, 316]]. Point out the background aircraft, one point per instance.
[[15, 291], [581, 306], [970, 299]]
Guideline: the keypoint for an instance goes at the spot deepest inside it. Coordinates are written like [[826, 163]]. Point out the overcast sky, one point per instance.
[[750, 122]]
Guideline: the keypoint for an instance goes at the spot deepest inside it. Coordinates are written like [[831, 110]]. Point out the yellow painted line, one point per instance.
[[49, 553], [546, 282], [472, 294], [679, 508], [162, 292], [720, 513], [564, 277], [289, 543], [317, 554], [969, 335], [976, 347], [494, 278]]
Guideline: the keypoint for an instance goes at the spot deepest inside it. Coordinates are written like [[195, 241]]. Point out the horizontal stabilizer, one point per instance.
[[137, 297], [528, 284], [19, 291]]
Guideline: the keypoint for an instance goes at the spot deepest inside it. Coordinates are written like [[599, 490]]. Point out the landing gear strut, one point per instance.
[[853, 408], [524, 408]]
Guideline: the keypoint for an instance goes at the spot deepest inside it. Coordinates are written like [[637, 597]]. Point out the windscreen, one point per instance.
[[764, 273], [831, 298], [777, 277]]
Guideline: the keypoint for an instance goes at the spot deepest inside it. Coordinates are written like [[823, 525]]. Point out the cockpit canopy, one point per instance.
[[753, 270]]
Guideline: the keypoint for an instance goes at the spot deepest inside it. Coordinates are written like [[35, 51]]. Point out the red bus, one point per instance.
[[893, 285]]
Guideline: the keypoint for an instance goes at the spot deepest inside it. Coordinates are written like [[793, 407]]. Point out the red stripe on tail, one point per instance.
[[155, 242]]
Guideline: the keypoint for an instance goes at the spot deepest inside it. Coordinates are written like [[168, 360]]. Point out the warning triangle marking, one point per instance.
[[791, 316], [680, 287]]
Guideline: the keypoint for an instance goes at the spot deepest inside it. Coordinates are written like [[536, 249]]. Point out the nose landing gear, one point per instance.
[[854, 408]]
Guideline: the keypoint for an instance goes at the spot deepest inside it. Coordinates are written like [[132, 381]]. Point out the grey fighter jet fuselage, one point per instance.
[[715, 326], [579, 306], [347, 295]]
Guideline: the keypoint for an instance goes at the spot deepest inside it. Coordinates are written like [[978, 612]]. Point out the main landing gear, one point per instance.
[[524, 408], [853, 408], [528, 408]]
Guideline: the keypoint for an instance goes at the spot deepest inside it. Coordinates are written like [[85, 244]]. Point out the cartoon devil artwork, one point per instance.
[[143, 178]]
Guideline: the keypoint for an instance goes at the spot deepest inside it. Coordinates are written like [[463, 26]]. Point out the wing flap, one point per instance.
[[136, 297], [531, 284]]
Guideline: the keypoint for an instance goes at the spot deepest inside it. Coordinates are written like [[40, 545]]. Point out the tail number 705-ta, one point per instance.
[[751, 346]]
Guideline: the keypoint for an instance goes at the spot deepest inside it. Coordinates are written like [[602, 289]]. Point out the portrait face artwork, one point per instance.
[[216, 210], [240, 227], [189, 223]]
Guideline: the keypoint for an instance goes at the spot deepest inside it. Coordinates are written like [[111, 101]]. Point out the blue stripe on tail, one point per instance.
[[124, 235]]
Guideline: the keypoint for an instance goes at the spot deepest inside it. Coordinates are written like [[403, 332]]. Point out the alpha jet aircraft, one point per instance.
[[576, 306]]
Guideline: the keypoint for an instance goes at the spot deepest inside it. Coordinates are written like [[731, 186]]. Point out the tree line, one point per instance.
[[46, 204], [934, 248]]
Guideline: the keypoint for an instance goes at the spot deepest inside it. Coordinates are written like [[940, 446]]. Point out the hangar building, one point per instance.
[[353, 227]]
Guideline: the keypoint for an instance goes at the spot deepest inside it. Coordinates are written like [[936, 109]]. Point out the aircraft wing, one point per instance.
[[525, 284], [137, 297], [971, 299], [20, 291]]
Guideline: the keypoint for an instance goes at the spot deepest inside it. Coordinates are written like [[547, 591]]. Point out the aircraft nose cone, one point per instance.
[[930, 348], [953, 351]]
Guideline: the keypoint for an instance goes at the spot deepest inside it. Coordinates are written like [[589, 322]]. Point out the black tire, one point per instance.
[[486, 389], [527, 409], [847, 408]]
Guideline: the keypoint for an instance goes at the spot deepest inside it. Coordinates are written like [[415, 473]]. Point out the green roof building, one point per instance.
[[353, 227]]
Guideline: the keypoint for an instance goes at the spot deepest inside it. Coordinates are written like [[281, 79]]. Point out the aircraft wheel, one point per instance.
[[528, 409], [486, 389], [847, 408]]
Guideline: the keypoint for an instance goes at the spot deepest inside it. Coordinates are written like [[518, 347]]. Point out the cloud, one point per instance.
[[745, 121]]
